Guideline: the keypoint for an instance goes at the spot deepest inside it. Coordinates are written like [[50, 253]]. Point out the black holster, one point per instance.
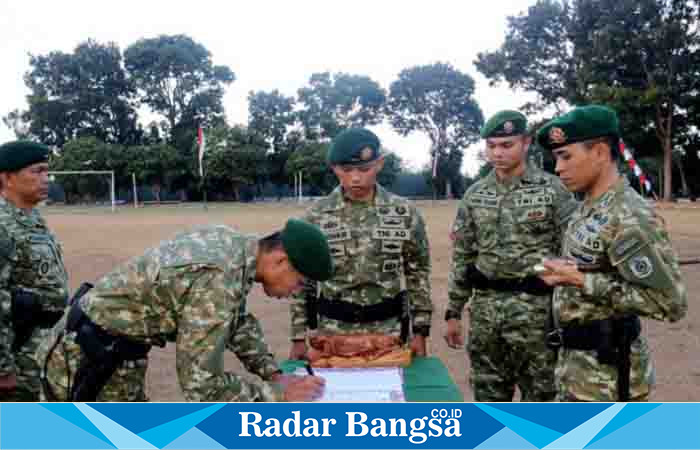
[[531, 285], [397, 306], [28, 315], [611, 339], [102, 354]]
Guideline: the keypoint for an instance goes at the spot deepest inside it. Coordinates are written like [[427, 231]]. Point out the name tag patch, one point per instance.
[[392, 222], [391, 246], [483, 202], [396, 211], [391, 234], [391, 265], [533, 200], [342, 234]]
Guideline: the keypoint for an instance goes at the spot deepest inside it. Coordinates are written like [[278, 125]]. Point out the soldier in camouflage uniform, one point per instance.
[[506, 224], [33, 279], [617, 265], [192, 291], [379, 246]]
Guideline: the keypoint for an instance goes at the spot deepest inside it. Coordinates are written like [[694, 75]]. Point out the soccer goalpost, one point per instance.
[[92, 172]]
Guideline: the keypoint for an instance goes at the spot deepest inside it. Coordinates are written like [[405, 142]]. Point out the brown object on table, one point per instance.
[[358, 350]]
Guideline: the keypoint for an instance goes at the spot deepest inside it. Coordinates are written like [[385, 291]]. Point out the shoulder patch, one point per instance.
[[641, 266]]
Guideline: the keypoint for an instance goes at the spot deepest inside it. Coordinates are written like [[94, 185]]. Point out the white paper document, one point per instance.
[[361, 385]]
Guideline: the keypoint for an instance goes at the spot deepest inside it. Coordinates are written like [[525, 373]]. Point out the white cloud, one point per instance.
[[274, 44]]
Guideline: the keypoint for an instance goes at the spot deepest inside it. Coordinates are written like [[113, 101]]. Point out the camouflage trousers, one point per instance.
[[127, 384], [27, 371], [582, 378], [507, 347]]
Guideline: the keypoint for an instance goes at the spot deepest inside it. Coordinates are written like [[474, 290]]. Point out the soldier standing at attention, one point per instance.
[[33, 279], [506, 224], [192, 291], [631, 269], [380, 252]]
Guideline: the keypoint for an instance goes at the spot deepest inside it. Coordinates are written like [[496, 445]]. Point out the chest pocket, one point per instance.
[[339, 241], [535, 211], [585, 245], [44, 261]]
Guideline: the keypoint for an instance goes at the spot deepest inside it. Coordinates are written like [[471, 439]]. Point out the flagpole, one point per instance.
[[202, 144], [435, 160]]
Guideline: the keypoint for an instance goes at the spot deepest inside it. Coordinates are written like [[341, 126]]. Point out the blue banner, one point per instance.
[[349, 425]]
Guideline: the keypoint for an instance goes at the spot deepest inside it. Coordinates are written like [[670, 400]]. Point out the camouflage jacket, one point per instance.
[[192, 290], [377, 247], [637, 272], [638, 269], [507, 227], [31, 259]]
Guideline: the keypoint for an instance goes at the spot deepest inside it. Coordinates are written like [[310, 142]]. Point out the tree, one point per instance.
[[235, 158], [156, 164], [310, 160], [332, 103], [84, 93], [391, 170], [177, 79], [437, 100], [270, 115], [89, 153], [640, 57]]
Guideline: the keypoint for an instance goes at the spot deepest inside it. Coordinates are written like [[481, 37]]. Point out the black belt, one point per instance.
[[529, 285], [610, 338], [389, 308], [353, 313]]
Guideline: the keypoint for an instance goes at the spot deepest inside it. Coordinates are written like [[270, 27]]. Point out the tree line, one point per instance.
[[641, 57]]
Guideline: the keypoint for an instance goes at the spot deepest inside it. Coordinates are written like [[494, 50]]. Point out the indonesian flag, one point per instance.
[[202, 146], [435, 161], [635, 167]]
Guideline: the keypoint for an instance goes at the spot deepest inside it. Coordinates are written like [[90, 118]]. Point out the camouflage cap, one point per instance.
[[354, 146], [505, 124], [17, 155], [578, 125], [307, 249]]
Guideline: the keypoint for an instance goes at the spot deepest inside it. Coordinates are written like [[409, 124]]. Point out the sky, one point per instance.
[[276, 44]]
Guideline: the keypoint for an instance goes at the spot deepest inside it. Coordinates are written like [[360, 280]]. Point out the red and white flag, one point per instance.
[[627, 155], [435, 162], [202, 146]]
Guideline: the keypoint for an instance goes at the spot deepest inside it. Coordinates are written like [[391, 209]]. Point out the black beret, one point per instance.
[[505, 124], [578, 125], [17, 155], [354, 146], [307, 249]]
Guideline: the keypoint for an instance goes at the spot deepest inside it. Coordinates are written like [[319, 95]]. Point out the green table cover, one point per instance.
[[425, 380]]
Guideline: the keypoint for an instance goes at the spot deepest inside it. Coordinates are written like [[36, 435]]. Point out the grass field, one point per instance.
[[95, 240]]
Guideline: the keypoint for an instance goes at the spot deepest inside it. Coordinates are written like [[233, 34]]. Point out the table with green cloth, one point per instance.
[[425, 380]]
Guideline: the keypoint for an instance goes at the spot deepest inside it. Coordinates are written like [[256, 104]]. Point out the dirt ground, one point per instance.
[[95, 241]]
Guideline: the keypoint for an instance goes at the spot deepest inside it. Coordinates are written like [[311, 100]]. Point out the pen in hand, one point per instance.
[[309, 370]]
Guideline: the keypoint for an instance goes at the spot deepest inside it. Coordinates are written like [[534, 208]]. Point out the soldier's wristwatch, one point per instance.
[[423, 330], [452, 315]]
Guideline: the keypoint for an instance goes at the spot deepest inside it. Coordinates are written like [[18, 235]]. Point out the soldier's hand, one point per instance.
[[418, 346], [455, 335], [8, 382], [562, 272], [303, 389], [298, 350]]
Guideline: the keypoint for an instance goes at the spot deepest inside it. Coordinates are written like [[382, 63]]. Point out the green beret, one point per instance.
[[578, 125], [354, 146], [504, 124], [17, 155], [307, 249]]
